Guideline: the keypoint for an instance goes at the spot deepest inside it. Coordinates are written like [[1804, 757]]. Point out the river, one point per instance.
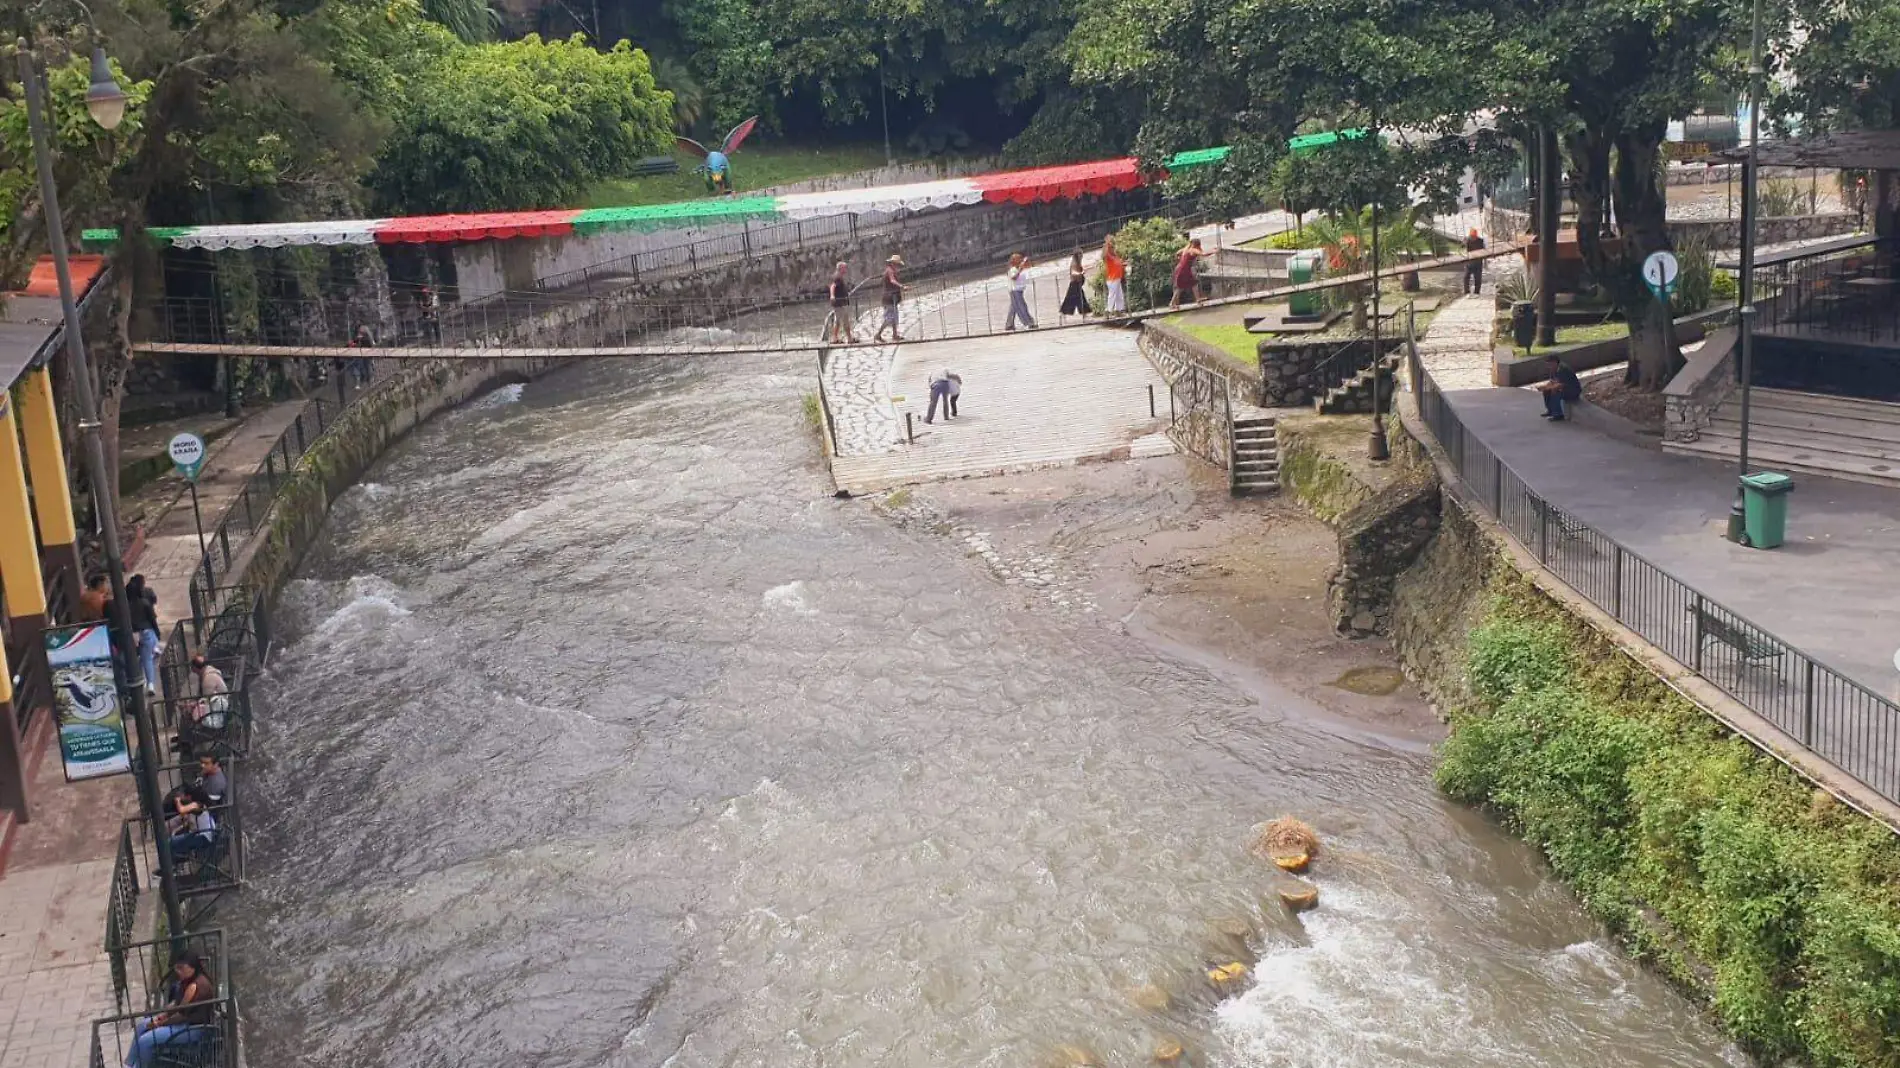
[[600, 735]]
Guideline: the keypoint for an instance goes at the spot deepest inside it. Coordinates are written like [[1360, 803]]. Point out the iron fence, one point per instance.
[[1201, 414], [156, 1032], [1844, 290], [1836, 719], [122, 907], [205, 867]]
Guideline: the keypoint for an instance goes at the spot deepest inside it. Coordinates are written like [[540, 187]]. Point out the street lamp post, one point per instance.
[[105, 101], [1757, 75]]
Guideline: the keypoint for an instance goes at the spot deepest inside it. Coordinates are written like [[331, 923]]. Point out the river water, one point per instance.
[[600, 735]]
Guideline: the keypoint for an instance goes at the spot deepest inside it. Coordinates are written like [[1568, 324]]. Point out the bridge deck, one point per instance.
[[782, 341]]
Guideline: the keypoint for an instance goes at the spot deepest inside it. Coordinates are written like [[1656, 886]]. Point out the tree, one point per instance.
[[524, 124], [1611, 74], [1347, 240], [1841, 62]]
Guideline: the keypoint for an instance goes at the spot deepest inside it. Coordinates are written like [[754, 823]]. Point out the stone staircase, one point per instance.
[[1354, 396], [1256, 456], [1842, 437]]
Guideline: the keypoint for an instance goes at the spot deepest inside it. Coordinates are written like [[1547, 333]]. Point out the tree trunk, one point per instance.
[[1642, 210]]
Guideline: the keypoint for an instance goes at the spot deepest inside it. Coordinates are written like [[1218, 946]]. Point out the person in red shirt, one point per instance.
[[1184, 280]]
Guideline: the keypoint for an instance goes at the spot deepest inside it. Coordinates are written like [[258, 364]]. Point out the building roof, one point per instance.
[[30, 319], [1871, 150]]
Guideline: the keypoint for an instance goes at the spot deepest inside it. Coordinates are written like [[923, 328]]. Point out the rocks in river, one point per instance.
[[1289, 843], [1298, 895], [1152, 997], [1227, 978], [1168, 1051], [1073, 1056]]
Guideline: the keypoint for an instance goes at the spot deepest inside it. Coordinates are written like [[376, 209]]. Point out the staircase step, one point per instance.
[[1789, 400], [1797, 422], [1803, 440], [1774, 456], [1254, 421], [1256, 466]]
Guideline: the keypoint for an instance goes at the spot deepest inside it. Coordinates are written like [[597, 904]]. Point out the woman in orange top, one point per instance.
[[1114, 271]]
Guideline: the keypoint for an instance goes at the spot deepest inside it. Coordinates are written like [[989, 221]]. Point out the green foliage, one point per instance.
[[86, 154], [528, 123], [730, 51], [1150, 246], [1689, 841], [1695, 283], [689, 97], [470, 20], [1844, 70], [1285, 240], [1778, 198], [1724, 287]]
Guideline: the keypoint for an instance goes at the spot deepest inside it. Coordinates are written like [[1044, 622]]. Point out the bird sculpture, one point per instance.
[[717, 165]]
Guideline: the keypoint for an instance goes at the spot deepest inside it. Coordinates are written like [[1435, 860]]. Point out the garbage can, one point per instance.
[[1304, 267], [1524, 323], [1765, 508]]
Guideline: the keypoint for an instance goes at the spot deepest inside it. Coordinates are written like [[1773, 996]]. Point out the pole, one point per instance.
[[1549, 199], [1750, 179], [102, 502], [884, 102], [198, 520], [1377, 447]]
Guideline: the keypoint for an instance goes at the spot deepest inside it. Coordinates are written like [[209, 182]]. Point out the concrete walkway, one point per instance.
[[1828, 592], [55, 871]]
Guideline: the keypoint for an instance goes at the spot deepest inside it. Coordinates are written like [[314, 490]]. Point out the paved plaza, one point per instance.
[[1829, 591]]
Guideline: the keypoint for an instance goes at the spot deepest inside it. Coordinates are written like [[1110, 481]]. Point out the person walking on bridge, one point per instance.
[[838, 321], [1185, 281], [1114, 275], [1018, 274], [1474, 271], [1076, 302], [893, 293]]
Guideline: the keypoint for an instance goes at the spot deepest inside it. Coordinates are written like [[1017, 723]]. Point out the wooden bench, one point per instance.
[[1753, 646], [654, 165]]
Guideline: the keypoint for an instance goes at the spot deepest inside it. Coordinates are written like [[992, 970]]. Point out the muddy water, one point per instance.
[[601, 736]]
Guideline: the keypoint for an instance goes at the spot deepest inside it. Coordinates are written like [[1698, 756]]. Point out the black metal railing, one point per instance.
[[205, 868], [141, 970], [207, 1039], [1201, 413], [122, 907], [1836, 719], [1843, 288]]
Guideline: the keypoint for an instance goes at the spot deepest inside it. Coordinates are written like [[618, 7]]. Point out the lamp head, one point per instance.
[[105, 101]]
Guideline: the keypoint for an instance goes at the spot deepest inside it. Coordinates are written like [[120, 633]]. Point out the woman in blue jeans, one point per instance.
[[186, 1019], [143, 604]]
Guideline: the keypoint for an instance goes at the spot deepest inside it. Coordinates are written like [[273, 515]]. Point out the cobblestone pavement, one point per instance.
[[1457, 345], [52, 954]]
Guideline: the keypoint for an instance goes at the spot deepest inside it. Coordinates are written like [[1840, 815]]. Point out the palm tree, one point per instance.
[[471, 20], [1347, 241], [689, 97]]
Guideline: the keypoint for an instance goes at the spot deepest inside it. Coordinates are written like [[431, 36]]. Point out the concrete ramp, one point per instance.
[[1031, 399]]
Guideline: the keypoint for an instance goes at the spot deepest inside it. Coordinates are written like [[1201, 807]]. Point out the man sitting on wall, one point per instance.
[[1563, 387]]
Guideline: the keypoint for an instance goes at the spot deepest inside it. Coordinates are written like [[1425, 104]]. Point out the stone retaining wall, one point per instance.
[[1202, 420], [1692, 396]]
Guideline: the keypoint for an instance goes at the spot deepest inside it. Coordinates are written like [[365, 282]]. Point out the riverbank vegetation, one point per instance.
[[1716, 864]]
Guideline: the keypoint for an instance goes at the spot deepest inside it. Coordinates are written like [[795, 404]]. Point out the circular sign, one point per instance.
[[187, 451], [1660, 271]]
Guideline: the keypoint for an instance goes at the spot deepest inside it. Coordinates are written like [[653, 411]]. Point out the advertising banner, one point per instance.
[[86, 705]]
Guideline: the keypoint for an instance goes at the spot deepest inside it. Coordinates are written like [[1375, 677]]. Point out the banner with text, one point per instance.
[[91, 718]]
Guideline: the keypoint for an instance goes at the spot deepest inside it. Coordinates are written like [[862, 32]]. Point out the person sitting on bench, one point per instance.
[[1563, 387], [186, 1018], [194, 831]]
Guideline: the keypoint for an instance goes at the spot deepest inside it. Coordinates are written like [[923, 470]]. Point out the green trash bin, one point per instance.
[[1305, 267], [1765, 508]]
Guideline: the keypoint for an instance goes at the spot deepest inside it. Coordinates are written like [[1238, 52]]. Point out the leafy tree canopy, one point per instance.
[[524, 124]]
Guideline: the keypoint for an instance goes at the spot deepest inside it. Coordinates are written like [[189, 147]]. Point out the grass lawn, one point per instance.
[[1578, 335], [1231, 338], [755, 167]]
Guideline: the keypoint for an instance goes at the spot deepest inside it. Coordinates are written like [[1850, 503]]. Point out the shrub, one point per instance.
[[1696, 280], [1733, 875], [1150, 247]]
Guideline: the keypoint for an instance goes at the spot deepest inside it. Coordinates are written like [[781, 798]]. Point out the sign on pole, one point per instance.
[[86, 704], [188, 454], [1660, 271]]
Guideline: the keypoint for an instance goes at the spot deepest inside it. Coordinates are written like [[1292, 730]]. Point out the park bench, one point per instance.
[[1752, 645], [655, 165]]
